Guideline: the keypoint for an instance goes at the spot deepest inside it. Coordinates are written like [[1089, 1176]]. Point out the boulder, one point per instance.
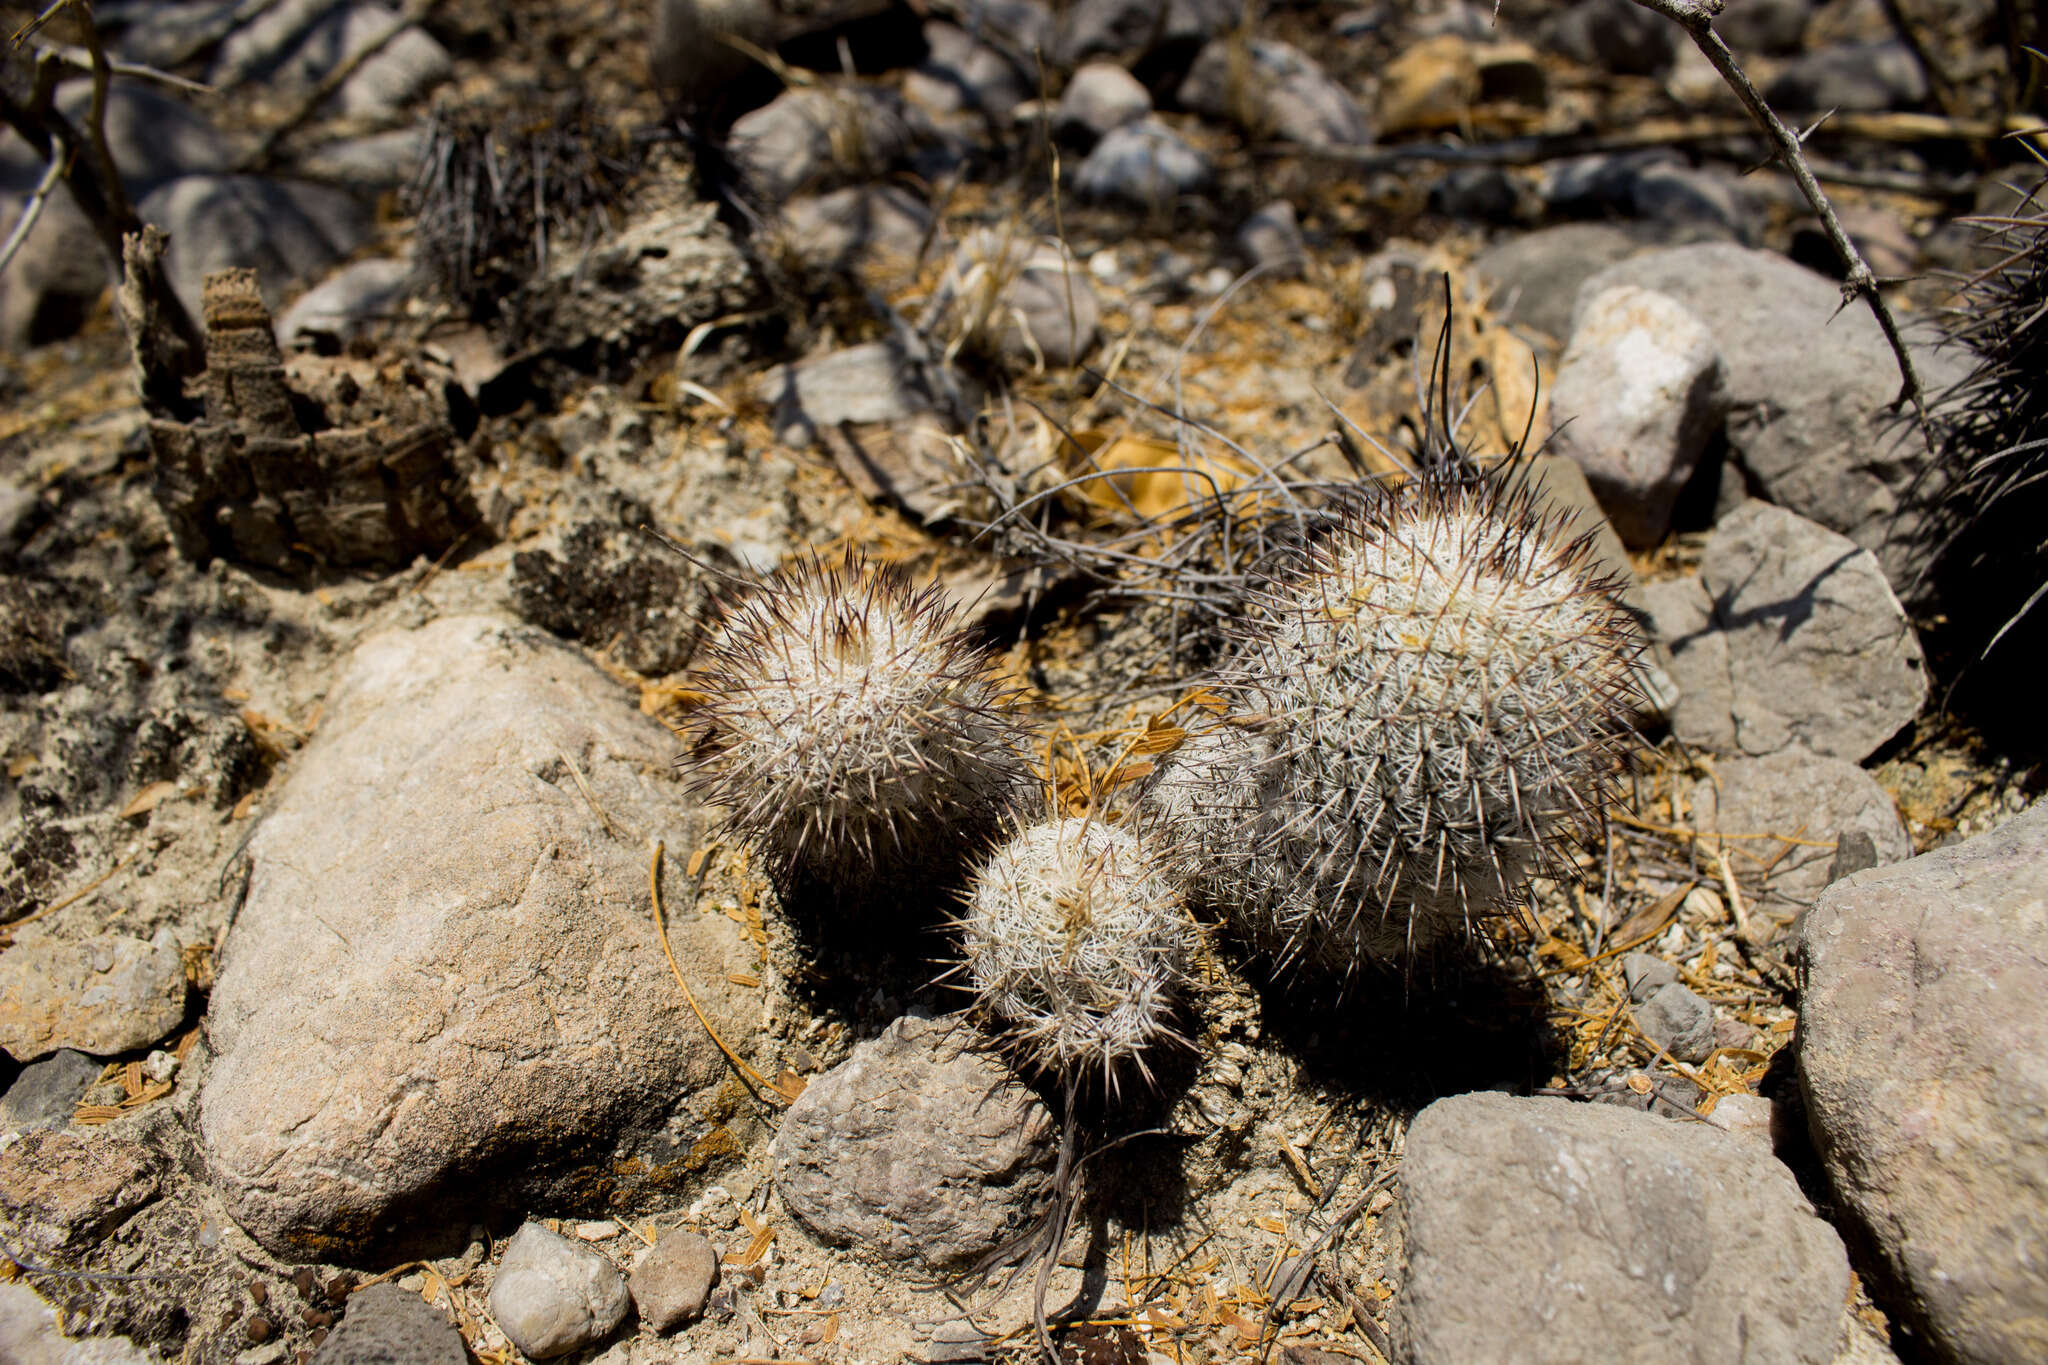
[[443, 995], [1789, 635], [1540, 1230], [1923, 1059], [104, 995]]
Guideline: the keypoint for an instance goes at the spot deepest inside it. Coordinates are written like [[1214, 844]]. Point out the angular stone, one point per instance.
[[963, 76], [672, 1279], [843, 229], [1101, 96], [1617, 36], [915, 1150], [287, 232], [59, 1192], [1144, 164], [552, 1295], [458, 862], [1025, 298], [100, 995], [817, 139], [1864, 78], [1274, 90], [345, 305], [1539, 1230], [1130, 29], [30, 1334], [1534, 277], [46, 1092], [1923, 1058], [1789, 636], [1810, 384], [295, 45], [1810, 803], [387, 1325], [1271, 239], [1638, 395], [1676, 1019]]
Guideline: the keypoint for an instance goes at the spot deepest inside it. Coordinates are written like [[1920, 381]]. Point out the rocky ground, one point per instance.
[[373, 989]]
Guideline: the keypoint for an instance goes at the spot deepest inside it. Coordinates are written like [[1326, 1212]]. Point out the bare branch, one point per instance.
[[1697, 17], [32, 210]]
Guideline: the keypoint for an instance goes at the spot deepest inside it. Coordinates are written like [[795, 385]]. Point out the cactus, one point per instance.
[[853, 730], [1077, 949], [1420, 716]]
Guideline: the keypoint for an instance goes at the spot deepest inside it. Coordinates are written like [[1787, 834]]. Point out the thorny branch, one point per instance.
[[1697, 17]]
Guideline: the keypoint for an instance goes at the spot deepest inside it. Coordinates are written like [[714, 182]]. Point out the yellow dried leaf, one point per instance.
[[22, 766], [1642, 1085], [1271, 1224], [148, 799], [696, 863], [1150, 477], [1159, 740], [742, 979]]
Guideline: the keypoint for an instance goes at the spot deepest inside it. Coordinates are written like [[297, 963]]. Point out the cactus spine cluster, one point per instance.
[[1419, 716], [1077, 948], [852, 729]]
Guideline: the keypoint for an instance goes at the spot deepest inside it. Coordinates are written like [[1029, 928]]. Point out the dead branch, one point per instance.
[[32, 210]]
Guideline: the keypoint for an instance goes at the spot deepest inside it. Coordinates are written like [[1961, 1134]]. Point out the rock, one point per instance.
[[296, 44], [1024, 299], [619, 591], [872, 382], [1540, 1230], [1100, 97], [1923, 1059], [843, 229], [1617, 36], [1533, 278], [61, 1193], [370, 164], [1796, 795], [1855, 851], [345, 306], [46, 1092], [153, 138], [915, 1150], [1511, 73], [1429, 86], [1638, 395], [664, 272], [1144, 164], [387, 1325], [56, 277], [1697, 201], [1677, 1020], [1751, 1117], [960, 75], [1599, 185], [818, 138], [1483, 193], [30, 1334], [672, 1279], [100, 995], [1789, 636], [1772, 27], [459, 859], [1273, 90], [1271, 240], [1809, 384], [1129, 29], [286, 232], [1851, 78], [1645, 975], [552, 1295], [958, 1343]]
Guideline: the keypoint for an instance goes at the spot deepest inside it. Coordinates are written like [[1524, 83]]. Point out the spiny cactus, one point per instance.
[[1987, 497], [1417, 717], [853, 730], [1077, 948]]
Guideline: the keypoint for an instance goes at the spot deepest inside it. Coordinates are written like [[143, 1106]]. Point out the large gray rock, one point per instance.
[[294, 45], [1540, 1230], [552, 1295], [1789, 635], [1023, 299], [1923, 1056], [1129, 29], [1533, 278], [1798, 796], [1809, 386], [286, 231], [961, 75], [387, 1325], [152, 137], [1851, 77], [102, 995], [1274, 90], [817, 139], [442, 993], [346, 305], [1637, 396], [843, 229], [915, 1150], [1101, 96], [46, 1092], [672, 1279]]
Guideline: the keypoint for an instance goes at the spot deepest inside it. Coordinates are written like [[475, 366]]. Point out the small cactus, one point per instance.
[[1077, 948], [1418, 716], [853, 730]]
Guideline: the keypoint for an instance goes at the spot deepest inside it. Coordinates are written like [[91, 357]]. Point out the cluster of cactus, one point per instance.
[[1986, 495], [853, 730], [1420, 717], [1078, 948]]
